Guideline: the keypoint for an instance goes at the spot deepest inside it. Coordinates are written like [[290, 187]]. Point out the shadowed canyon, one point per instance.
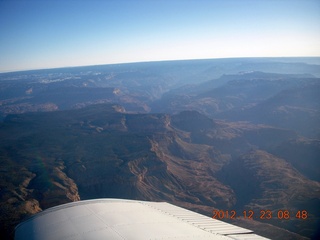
[[223, 134]]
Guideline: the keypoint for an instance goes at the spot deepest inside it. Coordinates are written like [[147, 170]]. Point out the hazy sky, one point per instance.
[[46, 34]]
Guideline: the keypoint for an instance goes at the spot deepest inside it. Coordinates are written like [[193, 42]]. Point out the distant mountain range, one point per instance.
[[288, 101], [228, 134]]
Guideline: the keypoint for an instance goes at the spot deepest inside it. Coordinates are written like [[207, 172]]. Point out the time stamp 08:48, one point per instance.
[[263, 214]]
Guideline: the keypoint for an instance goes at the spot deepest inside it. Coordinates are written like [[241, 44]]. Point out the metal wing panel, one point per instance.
[[125, 219], [203, 222]]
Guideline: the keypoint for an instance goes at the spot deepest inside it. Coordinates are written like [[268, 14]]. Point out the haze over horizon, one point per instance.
[[50, 34]]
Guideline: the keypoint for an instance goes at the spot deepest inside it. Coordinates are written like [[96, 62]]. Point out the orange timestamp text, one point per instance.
[[263, 214]]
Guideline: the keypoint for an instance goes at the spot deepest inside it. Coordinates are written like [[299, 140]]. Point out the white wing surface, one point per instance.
[[120, 219]]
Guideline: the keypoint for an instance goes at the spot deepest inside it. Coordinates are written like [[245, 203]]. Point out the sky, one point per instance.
[[37, 34]]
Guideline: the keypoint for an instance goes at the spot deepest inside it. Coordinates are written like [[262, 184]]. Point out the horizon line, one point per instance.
[[150, 61]]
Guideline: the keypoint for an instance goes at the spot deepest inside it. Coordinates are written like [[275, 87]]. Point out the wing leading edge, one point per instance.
[[125, 219]]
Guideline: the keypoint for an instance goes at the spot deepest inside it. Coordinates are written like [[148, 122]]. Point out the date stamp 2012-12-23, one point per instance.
[[263, 214]]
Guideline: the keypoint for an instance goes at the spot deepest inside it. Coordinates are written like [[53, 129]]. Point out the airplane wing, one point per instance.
[[120, 219]]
